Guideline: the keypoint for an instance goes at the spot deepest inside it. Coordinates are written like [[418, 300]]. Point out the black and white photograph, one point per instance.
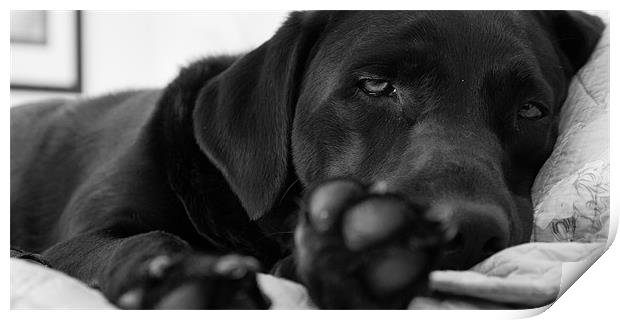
[[297, 160]]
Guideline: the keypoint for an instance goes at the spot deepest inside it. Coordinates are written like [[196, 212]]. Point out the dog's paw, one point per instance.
[[196, 282], [363, 248]]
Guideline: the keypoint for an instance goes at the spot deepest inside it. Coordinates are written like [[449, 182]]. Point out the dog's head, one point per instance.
[[455, 110]]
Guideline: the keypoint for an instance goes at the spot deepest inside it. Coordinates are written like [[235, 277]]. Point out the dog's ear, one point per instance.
[[243, 117], [575, 33]]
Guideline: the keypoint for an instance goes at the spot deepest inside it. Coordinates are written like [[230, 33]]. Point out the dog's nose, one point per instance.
[[477, 231]]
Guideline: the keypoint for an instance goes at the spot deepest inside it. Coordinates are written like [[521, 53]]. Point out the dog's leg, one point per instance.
[[361, 248], [158, 270]]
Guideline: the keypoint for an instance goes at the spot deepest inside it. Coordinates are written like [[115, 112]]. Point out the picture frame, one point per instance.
[[46, 50]]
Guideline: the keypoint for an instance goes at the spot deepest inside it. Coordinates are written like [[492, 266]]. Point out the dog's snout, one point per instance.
[[478, 231]]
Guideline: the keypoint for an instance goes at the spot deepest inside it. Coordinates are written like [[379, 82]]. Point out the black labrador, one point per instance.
[[353, 152]]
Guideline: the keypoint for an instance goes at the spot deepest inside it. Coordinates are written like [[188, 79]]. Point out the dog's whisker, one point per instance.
[[290, 187]]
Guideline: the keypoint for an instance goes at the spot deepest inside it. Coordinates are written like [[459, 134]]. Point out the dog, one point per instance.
[[353, 152]]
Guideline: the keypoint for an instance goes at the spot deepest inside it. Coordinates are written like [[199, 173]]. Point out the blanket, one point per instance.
[[529, 275]]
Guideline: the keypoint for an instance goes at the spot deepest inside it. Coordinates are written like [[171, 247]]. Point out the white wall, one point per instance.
[[123, 50]]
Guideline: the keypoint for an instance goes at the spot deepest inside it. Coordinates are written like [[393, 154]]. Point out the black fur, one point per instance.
[[217, 161]]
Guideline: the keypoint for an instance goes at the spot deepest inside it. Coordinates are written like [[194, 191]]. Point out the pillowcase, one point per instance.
[[571, 192]]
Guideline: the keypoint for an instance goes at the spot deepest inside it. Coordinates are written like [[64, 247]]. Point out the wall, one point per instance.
[[124, 50]]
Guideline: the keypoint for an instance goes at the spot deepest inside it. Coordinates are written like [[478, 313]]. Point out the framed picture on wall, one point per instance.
[[46, 50]]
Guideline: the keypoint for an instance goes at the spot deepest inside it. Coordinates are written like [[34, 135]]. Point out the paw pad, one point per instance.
[[394, 270], [372, 220], [364, 246], [130, 299], [330, 199]]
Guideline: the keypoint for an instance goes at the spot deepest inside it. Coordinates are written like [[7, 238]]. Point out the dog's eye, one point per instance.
[[532, 111], [377, 87]]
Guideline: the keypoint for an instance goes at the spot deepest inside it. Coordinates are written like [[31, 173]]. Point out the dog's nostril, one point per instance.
[[456, 244], [492, 246]]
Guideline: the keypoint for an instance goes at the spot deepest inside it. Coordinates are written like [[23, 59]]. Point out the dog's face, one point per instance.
[[456, 111]]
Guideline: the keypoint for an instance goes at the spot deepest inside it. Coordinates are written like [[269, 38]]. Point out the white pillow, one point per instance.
[[34, 286], [571, 192]]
